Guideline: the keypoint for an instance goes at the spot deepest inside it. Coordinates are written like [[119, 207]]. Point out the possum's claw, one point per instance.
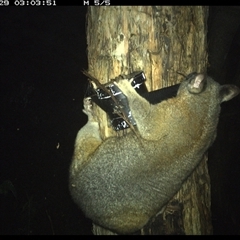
[[87, 104], [88, 108]]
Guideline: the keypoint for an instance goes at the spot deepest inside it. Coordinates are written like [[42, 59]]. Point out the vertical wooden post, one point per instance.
[[161, 41]]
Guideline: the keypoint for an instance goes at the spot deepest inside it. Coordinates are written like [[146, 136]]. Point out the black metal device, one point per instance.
[[111, 106]]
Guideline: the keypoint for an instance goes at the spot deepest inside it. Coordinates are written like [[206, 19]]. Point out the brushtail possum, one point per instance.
[[123, 181]]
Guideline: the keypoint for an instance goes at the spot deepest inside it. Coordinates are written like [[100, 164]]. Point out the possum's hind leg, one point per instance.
[[87, 140]]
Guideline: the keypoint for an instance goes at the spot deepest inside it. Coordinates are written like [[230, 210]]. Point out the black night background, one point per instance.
[[42, 53]]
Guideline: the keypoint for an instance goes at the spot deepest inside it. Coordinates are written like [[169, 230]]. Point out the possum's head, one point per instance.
[[203, 85]]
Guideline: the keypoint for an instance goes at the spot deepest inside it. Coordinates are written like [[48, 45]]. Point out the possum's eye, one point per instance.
[[191, 75]]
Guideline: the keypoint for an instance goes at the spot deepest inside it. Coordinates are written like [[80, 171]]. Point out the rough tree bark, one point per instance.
[[161, 41]]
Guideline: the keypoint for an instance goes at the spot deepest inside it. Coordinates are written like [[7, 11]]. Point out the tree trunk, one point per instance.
[[161, 41]]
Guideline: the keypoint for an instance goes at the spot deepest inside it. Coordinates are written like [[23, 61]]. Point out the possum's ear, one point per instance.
[[227, 92], [197, 83]]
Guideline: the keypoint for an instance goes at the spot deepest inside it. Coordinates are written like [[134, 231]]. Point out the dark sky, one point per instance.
[[42, 53]]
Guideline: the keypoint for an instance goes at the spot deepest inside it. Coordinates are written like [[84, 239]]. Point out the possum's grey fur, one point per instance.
[[121, 182]]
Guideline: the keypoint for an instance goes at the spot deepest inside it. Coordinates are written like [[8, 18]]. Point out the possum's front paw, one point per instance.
[[125, 86], [88, 108]]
